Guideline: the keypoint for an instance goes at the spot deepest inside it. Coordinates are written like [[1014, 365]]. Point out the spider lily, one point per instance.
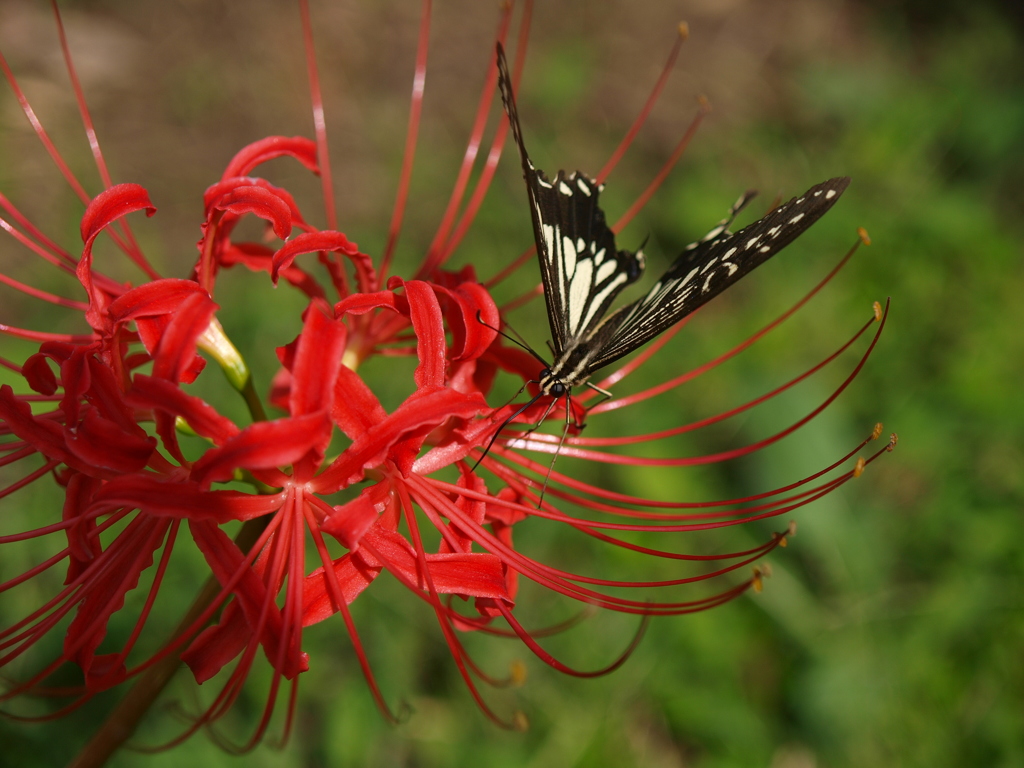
[[144, 465]]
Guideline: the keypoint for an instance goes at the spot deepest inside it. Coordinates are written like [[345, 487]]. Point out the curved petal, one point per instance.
[[260, 202], [264, 445], [184, 499], [299, 147], [104, 209]]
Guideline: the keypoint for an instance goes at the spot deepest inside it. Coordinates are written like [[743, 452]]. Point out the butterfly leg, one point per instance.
[[561, 441], [505, 423]]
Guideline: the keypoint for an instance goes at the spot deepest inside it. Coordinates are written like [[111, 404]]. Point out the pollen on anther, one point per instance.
[[858, 469], [877, 307], [877, 431], [863, 235], [791, 530], [517, 672], [893, 439], [684, 30]]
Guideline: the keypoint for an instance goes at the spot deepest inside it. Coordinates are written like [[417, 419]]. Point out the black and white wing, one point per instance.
[[581, 267], [708, 267]]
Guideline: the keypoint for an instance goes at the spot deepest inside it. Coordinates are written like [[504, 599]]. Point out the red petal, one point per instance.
[[83, 543], [259, 201], [470, 304], [411, 421], [428, 325], [159, 297], [351, 521], [125, 559], [361, 303], [221, 188], [356, 408], [464, 574], [264, 445], [110, 205], [185, 499], [316, 362], [45, 435], [354, 574], [226, 561], [299, 147], [39, 374], [148, 393], [257, 258], [101, 443], [175, 358], [105, 208], [311, 242]]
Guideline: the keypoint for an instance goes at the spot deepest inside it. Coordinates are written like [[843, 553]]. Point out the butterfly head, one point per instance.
[[551, 385]]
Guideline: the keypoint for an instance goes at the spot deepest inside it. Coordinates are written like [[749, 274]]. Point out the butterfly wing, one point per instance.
[[580, 266], [708, 267]]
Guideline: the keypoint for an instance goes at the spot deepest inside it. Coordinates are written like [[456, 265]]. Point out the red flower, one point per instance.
[[114, 438]]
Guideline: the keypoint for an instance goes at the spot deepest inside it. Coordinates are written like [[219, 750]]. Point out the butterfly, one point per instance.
[[583, 270]]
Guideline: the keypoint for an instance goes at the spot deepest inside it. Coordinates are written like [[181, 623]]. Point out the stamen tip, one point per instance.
[[877, 431], [520, 721], [877, 308], [792, 528], [703, 104], [858, 469], [893, 439], [864, 236], [761, 572], [684, 30], [517, 673]]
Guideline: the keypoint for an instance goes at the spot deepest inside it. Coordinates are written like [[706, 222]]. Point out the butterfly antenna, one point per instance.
[[518, 341], [558, 450], [505, 423]]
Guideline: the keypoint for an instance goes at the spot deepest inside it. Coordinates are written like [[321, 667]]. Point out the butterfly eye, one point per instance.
[[557, 389]]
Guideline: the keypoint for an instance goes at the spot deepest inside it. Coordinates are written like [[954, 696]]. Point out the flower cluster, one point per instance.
[[108, 415]]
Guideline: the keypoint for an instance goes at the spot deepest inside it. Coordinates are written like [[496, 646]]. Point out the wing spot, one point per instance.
[[569, 255], [580, 245], [774, 230], [830, 194], [796, 218], [708, 266], [762, 249], [583, 187], [751, 243], [564, 188], [729, 253]]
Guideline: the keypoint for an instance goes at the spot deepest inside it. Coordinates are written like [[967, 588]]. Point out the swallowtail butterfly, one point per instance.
[[583, 270]]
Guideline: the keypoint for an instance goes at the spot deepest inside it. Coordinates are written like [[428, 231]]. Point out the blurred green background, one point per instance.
[[892, 631]]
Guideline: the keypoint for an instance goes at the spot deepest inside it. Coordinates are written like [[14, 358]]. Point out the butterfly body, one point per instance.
[[583, 270]]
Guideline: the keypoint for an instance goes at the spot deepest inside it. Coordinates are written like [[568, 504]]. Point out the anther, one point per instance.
[[878, 311], [517, 672], [520, 721], [863, 235], [858, 469]]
